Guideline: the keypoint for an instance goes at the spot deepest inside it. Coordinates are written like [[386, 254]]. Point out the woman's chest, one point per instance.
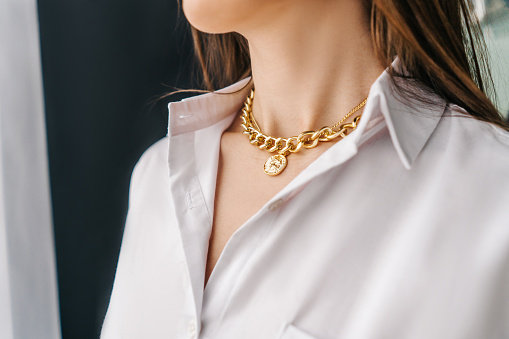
[[318, 263], [356, 252]]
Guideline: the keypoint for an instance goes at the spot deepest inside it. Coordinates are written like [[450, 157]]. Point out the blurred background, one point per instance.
[[83, 77], [494, 16]]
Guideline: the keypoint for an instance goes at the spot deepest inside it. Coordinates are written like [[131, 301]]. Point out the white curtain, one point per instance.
[[28, 288]]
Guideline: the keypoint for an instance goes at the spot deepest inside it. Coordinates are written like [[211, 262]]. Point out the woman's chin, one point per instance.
[[212, 17]]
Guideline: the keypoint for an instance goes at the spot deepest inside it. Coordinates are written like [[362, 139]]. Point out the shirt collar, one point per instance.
[[204, 110], [410, 122]]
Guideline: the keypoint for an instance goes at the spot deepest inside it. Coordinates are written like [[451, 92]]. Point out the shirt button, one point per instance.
[[191, 329], [275, 205]]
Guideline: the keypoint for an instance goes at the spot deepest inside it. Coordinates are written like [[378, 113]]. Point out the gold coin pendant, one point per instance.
[[275, 164]]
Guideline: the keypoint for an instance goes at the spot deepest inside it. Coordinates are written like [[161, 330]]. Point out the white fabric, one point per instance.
[[28, 279], [401, 230]]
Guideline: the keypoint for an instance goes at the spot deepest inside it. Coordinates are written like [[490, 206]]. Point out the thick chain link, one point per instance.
[[308, 139]]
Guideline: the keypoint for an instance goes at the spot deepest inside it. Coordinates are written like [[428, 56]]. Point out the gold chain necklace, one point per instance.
[[309, 139]]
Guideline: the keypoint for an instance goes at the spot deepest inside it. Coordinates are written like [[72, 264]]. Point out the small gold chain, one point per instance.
[[277, 163], [355, 109]]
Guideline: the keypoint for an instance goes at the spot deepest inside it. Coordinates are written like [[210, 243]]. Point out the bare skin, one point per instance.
[[312, 62]]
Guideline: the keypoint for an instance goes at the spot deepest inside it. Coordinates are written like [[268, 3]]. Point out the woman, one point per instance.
[[391, 225]]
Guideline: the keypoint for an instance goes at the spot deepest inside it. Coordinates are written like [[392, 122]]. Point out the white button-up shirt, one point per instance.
[[400, 230]]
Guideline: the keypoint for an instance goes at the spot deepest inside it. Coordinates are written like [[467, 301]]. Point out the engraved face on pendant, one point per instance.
[[275, 164]]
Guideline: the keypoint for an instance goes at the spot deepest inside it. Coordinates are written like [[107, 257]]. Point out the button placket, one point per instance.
[[276, 204], [193, 222], [191, 329]]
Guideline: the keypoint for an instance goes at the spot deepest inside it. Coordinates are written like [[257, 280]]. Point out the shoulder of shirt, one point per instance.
[[484, 133], [154, 155], [153, 162], [481, 130]]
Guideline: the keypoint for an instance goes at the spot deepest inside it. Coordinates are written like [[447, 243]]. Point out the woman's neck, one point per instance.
[[311, 65]]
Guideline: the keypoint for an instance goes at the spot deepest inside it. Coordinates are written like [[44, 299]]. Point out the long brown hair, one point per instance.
[[439, 43]]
